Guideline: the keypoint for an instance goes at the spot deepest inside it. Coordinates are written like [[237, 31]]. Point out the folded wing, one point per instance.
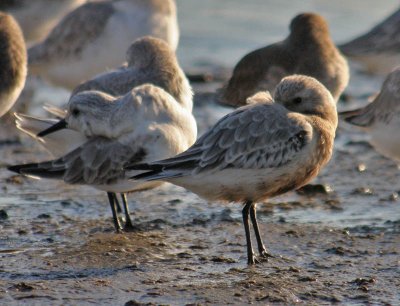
[[252, 137]]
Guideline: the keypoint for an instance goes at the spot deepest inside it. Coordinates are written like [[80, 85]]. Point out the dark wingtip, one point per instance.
[[20, 169], [15, 168], [149, 170], [144, 175], [139, 167]]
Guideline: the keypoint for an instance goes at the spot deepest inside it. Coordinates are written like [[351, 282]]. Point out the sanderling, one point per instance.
[[94, 36], [259, 151], [144, 125], [378, 49], [12, 62], [38, 17], [150, 60], [308, 50], [381, 118]]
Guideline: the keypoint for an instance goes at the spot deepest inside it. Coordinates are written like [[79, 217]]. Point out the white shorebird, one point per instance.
[[12, 62], [38, 17], [381, 118], [308, 50], [94, 37], [258, 151], [378, 49], [144, 125], [150, 60]]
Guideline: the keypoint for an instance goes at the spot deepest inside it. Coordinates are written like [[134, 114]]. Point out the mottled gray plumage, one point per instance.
[[93, 38], [253, 137], [384, 37], [263, 136], [259, 151], [308, 50], [88, 20], [383, 108], [37, 17], [149, 60], [145, 123], [381, 118], [378, 48], [98, 162]]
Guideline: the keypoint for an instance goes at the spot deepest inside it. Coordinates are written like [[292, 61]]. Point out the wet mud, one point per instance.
[[337, 241]]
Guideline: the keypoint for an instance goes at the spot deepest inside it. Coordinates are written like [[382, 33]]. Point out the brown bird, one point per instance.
[[308, 50], [13, 61], [258, 151]]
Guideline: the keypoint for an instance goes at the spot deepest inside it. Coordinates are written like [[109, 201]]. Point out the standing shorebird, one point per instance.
[[381, 118], [149, 60], [378, 49], [94, 37], [257, 152], [38, 17], [144, 125], [12, 62], [308, 50]]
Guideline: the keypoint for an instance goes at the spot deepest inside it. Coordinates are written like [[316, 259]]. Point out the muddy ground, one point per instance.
[[338, 243]]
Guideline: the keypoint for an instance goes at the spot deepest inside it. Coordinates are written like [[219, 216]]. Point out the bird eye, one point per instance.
[[75, 112], [297, 100]]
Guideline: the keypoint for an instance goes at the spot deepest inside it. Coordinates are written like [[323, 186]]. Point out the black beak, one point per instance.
[[62, 124]]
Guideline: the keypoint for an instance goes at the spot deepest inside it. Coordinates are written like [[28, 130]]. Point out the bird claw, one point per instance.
[[252, 260], [128, 227], [265, 255]]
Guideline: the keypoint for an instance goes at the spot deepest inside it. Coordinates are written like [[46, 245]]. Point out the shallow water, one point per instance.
[[221, 32], [337, 246]]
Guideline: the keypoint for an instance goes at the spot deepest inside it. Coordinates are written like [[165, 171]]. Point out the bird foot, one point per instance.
[[265, 255], [252, 260], [129, 227]]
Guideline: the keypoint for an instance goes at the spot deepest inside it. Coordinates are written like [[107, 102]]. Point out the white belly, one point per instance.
[[386, 139]]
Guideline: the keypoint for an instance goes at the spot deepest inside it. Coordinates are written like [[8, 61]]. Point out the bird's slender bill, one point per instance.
[[62, 124]]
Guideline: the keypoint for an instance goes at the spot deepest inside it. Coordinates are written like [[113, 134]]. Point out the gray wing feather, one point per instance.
[[99, 161], [88, 20], [261, 136], [118, 82]]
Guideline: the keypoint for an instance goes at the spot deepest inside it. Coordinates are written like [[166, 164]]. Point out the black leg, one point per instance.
[[119, 209], [245, 213], [261, 248], [111, 199], [128, 222]]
